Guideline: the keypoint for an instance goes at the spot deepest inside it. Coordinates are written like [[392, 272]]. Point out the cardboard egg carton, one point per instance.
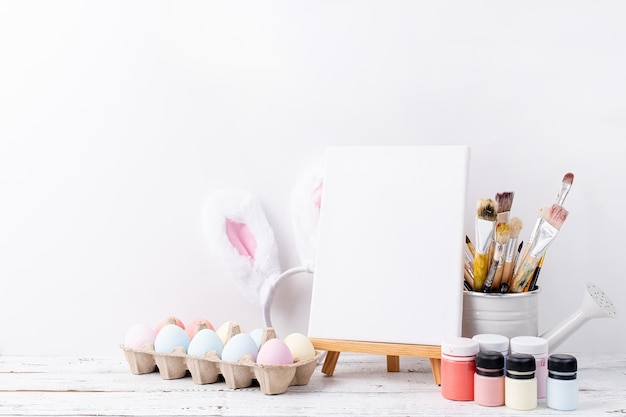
[[273, 379], [141, 361]]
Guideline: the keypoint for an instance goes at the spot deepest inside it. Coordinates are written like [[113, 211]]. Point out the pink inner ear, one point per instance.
[[241, 238], [317, 195]]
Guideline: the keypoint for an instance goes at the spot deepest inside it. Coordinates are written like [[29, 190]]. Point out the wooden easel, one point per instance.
[[393, 351]]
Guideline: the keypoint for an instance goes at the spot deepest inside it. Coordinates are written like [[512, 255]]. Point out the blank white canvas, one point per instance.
[[391, 237]]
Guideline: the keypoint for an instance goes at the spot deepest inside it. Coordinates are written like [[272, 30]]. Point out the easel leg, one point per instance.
[[435, 364], [393, 363], [330, 362]]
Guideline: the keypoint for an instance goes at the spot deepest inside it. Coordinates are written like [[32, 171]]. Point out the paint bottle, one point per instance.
[[489, 379], [538, 347], [458, 364], [493, 342], [520, 384], [562, 384]]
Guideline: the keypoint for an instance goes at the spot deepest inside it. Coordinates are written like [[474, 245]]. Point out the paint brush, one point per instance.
[[486, 213], [469, 251], [504, 287], [566, 185], [504, 202], [503, 232], [468, 277], [515, 225], [532, 283], [519, 249], [546, 233], [533, 232], [470, 245]]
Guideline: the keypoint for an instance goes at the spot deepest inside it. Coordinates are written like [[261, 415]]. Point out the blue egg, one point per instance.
[[257, 336], [204, 341], [169, 338], [239, 345]]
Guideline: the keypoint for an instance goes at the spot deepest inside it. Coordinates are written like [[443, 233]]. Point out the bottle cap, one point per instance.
[[496, 342], [529, 344], [489, 359], [520, 362], [560, 362], [459, 346]]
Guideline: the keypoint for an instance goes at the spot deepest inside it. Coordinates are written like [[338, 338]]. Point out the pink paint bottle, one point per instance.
[[458, 365], [489, 379]]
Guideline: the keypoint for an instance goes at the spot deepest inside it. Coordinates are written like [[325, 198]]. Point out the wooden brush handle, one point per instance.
[[497, 280], [532, 282], [468, 278], [524, 274], [507, 273]]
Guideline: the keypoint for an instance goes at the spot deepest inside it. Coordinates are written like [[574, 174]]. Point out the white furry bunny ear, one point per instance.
[[305, 208], [240, 235]]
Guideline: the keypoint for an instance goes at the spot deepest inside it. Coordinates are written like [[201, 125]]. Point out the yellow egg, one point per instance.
[[300, 346], [231, 327]]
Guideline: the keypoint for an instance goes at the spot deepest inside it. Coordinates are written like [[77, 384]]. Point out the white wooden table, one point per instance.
[[63, 386]]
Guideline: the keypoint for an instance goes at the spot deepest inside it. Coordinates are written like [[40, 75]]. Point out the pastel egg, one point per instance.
[[257, 336], [223, 330], [300, 346], [139, 336], [196, 325], [169, 320], [274, 352], [206, 340], [239, 345], [169, 338]]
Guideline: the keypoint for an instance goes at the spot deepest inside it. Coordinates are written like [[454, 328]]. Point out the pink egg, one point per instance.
[[139, 336], [169, 320], [274, 352], [196, 325]]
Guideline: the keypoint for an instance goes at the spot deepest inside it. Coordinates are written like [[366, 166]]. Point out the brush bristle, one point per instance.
[[556, 215], [503, 232], [487, 209], [515, 224], [504, 201], [568, 178]]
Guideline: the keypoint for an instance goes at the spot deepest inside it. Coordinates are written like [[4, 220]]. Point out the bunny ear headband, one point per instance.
[[240, 235]]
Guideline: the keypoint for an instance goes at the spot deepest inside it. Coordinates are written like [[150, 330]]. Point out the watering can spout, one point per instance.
[[596, 304]]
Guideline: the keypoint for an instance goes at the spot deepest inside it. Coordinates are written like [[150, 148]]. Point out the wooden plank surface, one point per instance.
[[57, 386]]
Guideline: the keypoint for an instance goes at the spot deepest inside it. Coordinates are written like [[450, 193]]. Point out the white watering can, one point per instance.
[[516, 314]]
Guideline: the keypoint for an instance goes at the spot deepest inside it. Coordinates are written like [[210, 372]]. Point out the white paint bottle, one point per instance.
[[493, 342]]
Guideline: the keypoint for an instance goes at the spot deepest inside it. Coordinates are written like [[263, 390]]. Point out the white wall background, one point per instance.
[[118, 118]]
